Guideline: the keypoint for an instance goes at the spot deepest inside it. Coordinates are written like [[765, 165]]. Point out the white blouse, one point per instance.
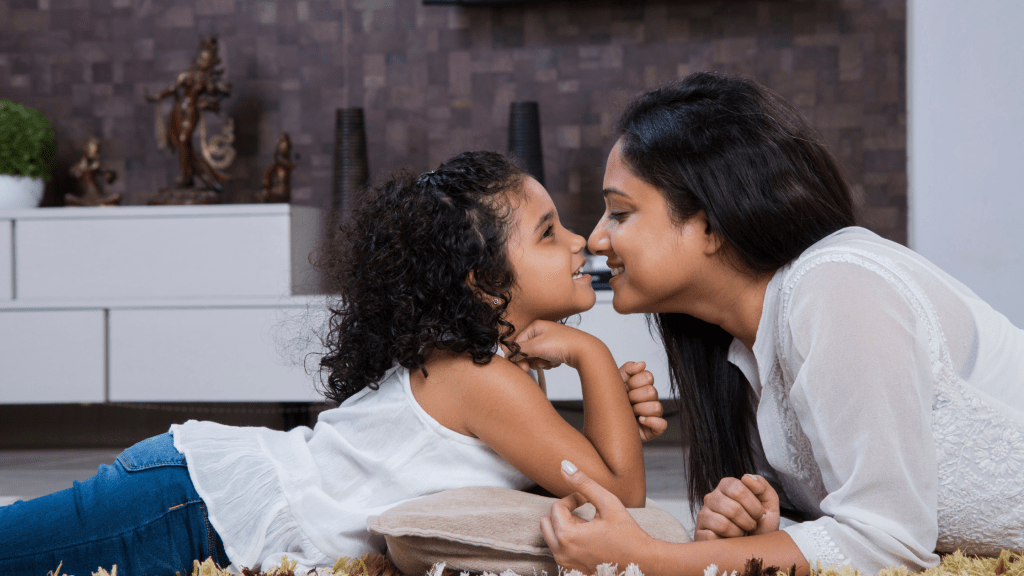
[[307, 493], [891, 406]]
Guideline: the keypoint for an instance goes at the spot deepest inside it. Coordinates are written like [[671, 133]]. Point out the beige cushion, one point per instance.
[[488, 529]]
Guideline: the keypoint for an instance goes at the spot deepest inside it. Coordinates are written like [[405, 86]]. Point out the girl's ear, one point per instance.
[[484, 297]]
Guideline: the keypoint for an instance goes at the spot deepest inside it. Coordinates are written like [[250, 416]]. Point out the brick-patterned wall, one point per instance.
[[437, 79]]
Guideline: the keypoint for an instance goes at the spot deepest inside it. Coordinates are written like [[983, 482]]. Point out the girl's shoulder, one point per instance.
[[463, 370]]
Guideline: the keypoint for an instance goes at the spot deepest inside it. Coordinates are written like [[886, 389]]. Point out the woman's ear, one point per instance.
[[713, 243]]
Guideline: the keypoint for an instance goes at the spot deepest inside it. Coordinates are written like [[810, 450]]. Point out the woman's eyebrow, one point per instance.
[[616, 192], [544, 220]]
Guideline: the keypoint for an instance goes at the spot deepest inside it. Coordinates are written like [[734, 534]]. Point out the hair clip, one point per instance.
[[427, 177]]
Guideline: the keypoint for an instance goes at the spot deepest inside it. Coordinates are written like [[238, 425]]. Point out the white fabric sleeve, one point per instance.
[[857, 351]]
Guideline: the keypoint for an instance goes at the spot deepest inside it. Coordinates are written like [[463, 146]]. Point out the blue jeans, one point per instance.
[[142, 514]]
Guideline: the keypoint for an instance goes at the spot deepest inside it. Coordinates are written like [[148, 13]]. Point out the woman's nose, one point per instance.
[[599, 241]]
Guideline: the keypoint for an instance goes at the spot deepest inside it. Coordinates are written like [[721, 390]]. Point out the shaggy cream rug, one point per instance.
[[956, 564]]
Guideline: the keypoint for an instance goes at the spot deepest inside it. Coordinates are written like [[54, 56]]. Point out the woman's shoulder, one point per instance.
[[851, 255]]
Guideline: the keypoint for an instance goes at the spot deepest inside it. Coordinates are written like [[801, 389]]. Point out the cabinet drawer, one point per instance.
[[52, 357], [153, 257], [200, 355]]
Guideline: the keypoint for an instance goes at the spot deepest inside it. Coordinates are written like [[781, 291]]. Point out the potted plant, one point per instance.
[[28, 154]]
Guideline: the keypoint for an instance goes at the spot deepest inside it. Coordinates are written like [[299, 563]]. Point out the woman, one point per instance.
[[878, 394]]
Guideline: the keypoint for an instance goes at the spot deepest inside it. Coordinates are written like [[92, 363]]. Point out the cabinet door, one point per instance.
[[52, 356], [211, 354], [6, 260], [628, 338]]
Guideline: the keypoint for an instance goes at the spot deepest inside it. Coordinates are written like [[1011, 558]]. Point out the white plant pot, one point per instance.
[[20, 192]]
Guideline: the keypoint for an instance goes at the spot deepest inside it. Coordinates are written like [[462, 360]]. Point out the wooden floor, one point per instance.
[[26, 474]]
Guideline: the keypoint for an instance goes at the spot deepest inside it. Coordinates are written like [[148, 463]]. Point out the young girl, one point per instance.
[[442, 280]]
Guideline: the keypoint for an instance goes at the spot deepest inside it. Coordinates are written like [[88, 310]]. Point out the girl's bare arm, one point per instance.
[[506, 409]]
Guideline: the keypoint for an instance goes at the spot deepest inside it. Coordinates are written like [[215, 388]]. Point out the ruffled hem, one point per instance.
[[230, 472]]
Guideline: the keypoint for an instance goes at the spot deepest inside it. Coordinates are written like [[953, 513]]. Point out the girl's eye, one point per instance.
[[548, 232]]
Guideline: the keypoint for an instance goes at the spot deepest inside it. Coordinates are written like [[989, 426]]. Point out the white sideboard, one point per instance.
[[154, 304], [189, 304]]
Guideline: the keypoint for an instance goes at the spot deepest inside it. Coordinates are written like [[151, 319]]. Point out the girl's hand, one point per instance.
[[741, 507], [644, 398], [544, 345], [612, 536]]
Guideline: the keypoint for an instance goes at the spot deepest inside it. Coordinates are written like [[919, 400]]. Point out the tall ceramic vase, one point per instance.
[[351, 168], [524, 138]]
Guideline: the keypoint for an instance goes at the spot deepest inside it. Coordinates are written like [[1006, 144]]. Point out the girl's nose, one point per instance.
[[578, 243]]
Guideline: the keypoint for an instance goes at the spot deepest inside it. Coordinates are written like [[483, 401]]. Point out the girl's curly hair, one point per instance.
[[421, 265]]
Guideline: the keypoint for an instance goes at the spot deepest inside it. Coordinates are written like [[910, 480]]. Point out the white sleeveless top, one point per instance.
[[891, 406], [307, 493]]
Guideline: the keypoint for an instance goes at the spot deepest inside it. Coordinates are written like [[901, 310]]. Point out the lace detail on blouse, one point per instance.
[[981, 471], [828, 552], [801, 466]]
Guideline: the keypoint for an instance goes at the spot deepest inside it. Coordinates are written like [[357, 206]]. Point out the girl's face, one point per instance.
[[657, 264], [547, 260]]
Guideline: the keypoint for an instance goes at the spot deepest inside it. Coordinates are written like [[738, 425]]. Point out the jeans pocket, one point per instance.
[[152, 453]]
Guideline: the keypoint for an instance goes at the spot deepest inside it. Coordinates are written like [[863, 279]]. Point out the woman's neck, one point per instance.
[[733, 300]]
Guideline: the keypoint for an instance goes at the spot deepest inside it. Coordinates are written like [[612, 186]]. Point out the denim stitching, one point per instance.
[[211, 543], [133, 467]]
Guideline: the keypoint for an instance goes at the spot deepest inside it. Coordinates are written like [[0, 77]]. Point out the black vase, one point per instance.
[[351, 169], [524, 138]]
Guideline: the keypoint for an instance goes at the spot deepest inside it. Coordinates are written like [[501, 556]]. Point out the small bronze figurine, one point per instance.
[[197, 89], [90, 173], [277, 179]]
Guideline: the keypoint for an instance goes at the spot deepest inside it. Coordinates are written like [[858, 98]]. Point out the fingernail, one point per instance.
[[568, 467], [765, 516], [643, 419]]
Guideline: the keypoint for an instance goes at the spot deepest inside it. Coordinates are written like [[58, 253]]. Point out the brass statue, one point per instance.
[[197, 89], [277, 179], [90, 173]]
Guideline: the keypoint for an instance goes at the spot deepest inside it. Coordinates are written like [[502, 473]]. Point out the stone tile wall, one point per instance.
[[435, 80]]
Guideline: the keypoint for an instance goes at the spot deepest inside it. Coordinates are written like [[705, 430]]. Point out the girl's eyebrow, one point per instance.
[[544, 220]]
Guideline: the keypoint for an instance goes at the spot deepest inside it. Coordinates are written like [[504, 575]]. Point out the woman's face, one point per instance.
[[657, 264], [547, 260]]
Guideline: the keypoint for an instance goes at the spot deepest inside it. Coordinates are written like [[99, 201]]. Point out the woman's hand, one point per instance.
[[738, 507], [544, 345], [612, 536], [644, 398]]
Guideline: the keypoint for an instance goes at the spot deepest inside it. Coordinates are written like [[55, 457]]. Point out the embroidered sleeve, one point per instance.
[[857, 353]]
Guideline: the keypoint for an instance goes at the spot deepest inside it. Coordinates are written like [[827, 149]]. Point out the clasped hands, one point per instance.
[[545, 345]]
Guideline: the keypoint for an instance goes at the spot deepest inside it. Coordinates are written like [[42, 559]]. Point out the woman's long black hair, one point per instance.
[[770, 188], [421, 265]]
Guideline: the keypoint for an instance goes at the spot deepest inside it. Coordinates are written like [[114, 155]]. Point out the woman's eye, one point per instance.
[[618, 216]]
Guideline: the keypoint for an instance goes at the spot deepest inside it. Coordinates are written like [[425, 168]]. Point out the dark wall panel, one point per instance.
[[435, 80]]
